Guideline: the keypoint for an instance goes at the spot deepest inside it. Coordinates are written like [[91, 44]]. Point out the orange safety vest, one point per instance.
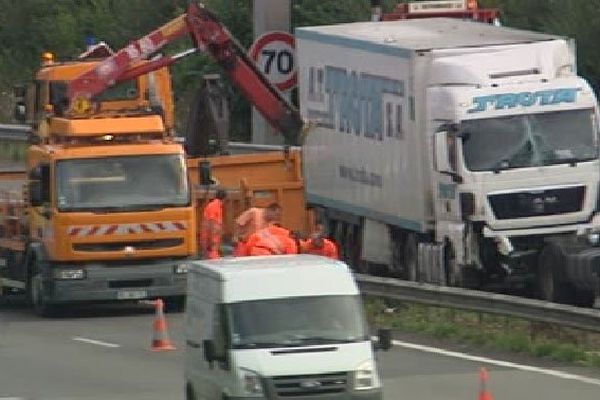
[[211, 229], [329, 249], [272, 240]]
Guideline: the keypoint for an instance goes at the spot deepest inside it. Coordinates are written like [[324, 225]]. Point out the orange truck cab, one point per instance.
[[107, 209]]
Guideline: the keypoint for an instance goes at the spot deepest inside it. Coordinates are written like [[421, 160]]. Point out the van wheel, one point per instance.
[[189, 392], [37, 298], [175, 304], [411, 260]]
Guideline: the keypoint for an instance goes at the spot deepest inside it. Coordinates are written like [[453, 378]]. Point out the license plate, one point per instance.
[[131, 294]]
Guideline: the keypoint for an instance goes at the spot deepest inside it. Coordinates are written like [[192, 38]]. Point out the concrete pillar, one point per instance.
[[269, 15]]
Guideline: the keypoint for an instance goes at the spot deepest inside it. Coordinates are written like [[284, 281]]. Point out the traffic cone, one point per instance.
[[160, 336], [484, 394]]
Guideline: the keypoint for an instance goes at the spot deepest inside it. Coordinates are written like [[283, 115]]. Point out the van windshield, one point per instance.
[[297, 321]]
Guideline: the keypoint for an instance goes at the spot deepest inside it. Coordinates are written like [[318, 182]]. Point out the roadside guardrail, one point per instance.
[[587, 319]]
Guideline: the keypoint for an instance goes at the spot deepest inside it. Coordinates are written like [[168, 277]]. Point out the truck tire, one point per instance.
[[584, 298], [411, 258], [396, 268], [36, 297], [189, 392], [551, 285], [450, 266]]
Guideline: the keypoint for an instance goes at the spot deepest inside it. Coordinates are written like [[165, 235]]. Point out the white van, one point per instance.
[[277, 327]]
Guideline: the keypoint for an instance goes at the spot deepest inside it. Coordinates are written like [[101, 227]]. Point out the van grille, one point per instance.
[[137, 245], [309, 385]]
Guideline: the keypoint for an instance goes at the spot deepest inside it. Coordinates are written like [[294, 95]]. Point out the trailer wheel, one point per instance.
[[450, 267], [36, 297], [550, 275], [189, 392], [411, 260]]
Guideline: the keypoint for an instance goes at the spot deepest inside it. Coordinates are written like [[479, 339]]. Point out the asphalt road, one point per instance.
[[54, 359]]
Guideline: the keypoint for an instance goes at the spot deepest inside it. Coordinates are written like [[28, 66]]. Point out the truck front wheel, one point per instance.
[[37, 298], [550, 275]]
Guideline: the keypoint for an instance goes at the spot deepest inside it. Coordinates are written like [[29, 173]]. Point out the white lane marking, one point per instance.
[[508, 364], [96, 342], [12, 398]]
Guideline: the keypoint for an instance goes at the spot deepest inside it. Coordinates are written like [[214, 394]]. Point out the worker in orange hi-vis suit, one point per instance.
[[319, 245], [212, 226], [271, 240], [248, 222]]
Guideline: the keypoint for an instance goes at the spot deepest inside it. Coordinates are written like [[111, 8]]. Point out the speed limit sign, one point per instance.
[[275, 55]]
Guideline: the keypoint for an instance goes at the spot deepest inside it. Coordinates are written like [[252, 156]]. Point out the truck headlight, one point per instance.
[[365, 376], [252, 383], [69, 274], [182, 268], [593, 238]]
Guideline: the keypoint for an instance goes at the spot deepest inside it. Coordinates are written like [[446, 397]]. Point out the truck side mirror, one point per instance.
[[35, 193], [442, 153], [39, 181], [20, 112], [384, 339], [209, 350]]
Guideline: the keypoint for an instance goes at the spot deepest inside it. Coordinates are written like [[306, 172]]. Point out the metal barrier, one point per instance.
[[473, 300]]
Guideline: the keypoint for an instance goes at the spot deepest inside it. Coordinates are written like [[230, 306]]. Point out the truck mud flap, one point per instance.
[[431, 263]]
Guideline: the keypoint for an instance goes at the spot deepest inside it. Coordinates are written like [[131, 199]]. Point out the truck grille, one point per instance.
[[309, 385], [133, 283], [137, 245], [536, 203]]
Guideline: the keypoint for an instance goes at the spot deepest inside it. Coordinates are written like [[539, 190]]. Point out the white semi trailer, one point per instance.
[[454, 152]]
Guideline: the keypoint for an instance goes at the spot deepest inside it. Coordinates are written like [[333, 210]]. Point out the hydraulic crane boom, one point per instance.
[[209, 36]]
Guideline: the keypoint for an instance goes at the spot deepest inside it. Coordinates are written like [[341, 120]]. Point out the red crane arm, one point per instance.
[[210, 36]]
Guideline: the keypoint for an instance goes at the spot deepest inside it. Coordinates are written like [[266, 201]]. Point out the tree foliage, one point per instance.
[[29, 27]]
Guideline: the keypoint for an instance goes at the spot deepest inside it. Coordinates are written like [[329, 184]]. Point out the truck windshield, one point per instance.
[[529, 140], [132, 183], [296, 321]]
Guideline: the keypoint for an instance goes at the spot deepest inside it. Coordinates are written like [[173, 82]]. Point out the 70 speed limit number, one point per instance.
[[275, 55]]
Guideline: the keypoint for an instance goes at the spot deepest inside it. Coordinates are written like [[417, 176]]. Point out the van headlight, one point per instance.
[[365, 376], [252, 383]]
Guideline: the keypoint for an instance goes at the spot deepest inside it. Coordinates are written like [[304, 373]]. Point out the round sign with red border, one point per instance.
[[275, 55]]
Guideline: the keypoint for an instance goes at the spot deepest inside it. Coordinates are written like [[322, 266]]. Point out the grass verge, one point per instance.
[[487, 331]]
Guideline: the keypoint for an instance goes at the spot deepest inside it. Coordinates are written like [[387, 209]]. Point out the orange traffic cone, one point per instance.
[[484, 394], [160, 336]]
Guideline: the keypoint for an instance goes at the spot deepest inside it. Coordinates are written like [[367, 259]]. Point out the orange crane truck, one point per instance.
[[108, 199]]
